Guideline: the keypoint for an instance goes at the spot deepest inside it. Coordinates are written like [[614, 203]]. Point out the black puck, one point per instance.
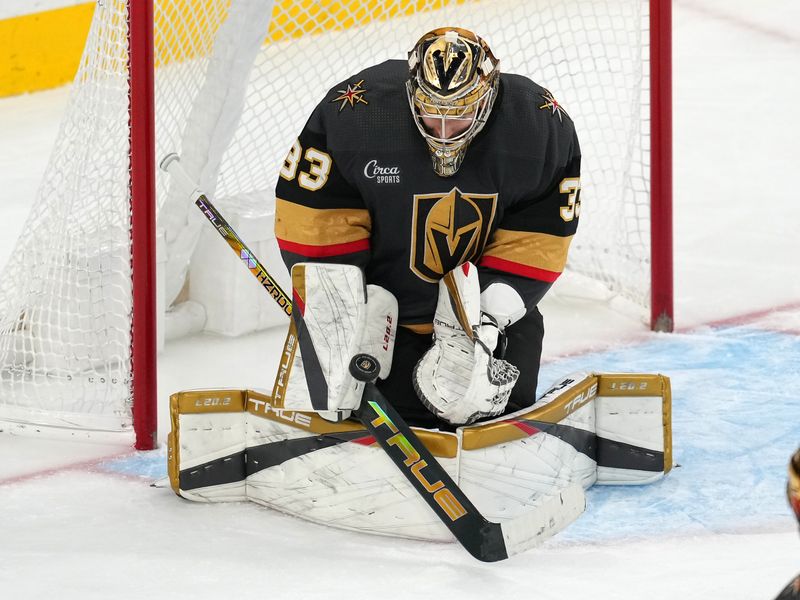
[[364, 367]]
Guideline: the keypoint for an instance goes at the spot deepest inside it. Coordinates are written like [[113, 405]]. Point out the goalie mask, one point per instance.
[[452, 85]]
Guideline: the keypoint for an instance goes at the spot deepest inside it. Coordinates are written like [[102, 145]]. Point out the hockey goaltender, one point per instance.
[[435, 275]]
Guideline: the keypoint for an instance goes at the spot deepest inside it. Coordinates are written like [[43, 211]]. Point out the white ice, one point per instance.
[[79, 520]]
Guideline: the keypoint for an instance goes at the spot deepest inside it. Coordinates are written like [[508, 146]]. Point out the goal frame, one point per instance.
[[143, 199], [661, 277], [141, 73]]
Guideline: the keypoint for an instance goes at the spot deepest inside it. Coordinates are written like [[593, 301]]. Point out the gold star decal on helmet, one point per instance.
[[551, 103], [352, 95]]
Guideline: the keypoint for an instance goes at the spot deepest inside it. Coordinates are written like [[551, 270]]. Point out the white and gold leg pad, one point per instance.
[[233, 445]]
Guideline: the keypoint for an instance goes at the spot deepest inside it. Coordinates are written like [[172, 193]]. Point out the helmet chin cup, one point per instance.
[[446, 161]]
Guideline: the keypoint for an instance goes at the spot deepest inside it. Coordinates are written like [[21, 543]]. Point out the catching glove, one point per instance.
[[458, 379]]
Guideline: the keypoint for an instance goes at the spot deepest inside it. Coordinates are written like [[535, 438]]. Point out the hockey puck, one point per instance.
[[364, 367]]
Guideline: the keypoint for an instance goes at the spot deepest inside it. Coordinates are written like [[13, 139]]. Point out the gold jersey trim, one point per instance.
[[532, 249], [320, 227]]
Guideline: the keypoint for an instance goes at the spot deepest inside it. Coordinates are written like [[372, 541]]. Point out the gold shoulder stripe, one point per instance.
[[320, 227], [532, 249]]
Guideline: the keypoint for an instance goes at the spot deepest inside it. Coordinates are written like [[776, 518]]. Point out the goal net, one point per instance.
[[235, 81]]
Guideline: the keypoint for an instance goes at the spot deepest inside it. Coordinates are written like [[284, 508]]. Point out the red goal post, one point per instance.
[[661, 296], [141, 66]]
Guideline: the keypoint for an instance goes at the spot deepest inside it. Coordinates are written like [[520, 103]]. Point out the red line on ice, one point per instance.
[[86, 465]]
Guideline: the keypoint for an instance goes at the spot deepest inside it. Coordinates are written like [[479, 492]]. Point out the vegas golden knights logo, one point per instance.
[[449, 229]]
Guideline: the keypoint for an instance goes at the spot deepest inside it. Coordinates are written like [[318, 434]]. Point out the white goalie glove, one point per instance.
[[458, 379]]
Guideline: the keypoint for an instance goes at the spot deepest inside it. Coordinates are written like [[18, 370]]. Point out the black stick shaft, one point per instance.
[[481, 538]]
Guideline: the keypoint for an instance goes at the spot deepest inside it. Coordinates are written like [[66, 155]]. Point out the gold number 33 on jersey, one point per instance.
[[319, 167], [572, 187]]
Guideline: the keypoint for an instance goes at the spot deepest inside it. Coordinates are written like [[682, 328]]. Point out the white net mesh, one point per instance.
[[231, 104]]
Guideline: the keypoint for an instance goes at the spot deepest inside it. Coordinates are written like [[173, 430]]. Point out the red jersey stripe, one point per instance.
[[519, 269], [323, 251]]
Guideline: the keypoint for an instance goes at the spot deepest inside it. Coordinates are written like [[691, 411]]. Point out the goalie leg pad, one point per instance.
[[586, 428], [634, 428], [206, 446], [233, 445]]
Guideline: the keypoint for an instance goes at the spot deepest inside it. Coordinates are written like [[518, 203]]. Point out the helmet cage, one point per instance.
[[475, 112]]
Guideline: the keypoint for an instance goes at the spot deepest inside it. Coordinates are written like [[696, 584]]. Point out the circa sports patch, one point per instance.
[[382, 173], [354, 94]]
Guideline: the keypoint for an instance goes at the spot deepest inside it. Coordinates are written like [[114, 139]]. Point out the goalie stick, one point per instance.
[[486, 540], [171, 164]]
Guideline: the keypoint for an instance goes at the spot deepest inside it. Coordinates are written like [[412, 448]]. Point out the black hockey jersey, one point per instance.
[[358, 187]]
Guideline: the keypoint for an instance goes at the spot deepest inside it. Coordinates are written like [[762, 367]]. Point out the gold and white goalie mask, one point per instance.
[[452, 85]]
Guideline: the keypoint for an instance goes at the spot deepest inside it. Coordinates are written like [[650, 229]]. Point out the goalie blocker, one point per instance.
[[234, 445], [334, 317]]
